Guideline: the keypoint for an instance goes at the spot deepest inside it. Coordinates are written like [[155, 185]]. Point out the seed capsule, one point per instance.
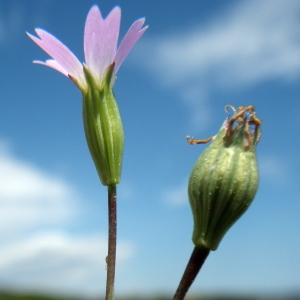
[[224, 180]]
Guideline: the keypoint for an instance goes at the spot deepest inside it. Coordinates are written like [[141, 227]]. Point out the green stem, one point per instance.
[[194, 265], [112, 241]]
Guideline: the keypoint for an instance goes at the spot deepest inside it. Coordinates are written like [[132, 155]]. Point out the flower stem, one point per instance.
[[112, 241], [194, 265]]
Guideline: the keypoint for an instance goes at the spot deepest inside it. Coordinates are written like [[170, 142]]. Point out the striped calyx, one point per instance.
[[103, 127], [224, 180]]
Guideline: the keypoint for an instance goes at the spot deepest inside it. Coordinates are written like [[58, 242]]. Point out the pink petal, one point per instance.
[[131, 37], [52, 64], [60, 53], [92, 39], [100, 40]]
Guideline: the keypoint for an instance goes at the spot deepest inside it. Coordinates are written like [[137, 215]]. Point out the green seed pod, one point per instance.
[[224, 180]]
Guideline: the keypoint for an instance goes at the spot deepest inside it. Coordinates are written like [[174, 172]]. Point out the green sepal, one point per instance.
[[103, 127]]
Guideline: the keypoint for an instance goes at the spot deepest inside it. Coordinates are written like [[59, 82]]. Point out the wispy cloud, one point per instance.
[[176, 196], [30, 198], [255, 41], [273, 169], [11, 20], [37, 249], [56, 261], [126, 191]]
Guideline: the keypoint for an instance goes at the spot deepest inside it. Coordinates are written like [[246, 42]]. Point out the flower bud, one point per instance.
[[103, 127], [224, 180]]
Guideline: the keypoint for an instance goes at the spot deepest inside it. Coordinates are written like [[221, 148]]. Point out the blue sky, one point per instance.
[[196, 57]]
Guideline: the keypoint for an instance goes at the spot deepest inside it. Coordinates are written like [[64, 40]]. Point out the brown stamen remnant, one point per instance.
[[254, 120], [239, 117], [192, 141], [239, 113]]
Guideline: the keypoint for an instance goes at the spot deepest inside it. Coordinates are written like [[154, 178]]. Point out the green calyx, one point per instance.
[[103, 127], [224, 180]]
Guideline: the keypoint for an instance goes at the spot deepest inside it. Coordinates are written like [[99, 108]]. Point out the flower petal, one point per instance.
[[112, 29], [60, 53], [93, 32], [52, 64], [131, 37], [100, 40]]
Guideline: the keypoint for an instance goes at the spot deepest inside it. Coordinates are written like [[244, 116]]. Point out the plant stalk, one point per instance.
[[112, 241], [193, 267]]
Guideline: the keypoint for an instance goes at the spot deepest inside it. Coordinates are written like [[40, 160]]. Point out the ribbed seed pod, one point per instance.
[[224, 180]]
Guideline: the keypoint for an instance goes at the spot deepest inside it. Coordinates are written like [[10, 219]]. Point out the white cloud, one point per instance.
[[255, 41], [273, 169], [196, 98], [10, 23], [126, 191], [37, 251], [176, 196], [30, 198], [23, 180], [58, 262]]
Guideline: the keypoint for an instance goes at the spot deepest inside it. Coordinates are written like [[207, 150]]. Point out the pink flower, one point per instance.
[[100, 47]]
